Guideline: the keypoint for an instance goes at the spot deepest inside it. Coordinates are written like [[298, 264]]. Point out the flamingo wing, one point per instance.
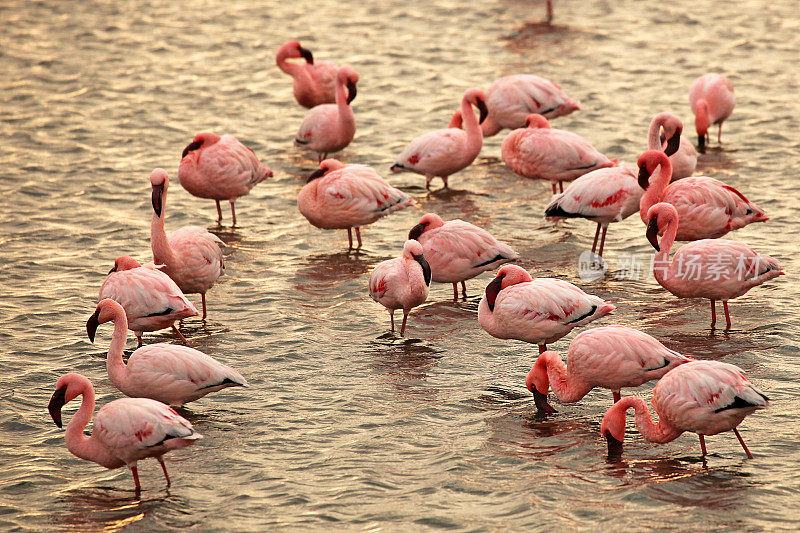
[[163, 365], [145, 291], [432, 150]]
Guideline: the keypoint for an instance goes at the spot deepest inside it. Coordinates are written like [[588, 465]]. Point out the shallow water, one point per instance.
[[347, 426]]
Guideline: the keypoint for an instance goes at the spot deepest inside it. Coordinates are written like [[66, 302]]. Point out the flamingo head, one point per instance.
[[506, 276], [412, 249], [124, 262], [428, 221], [327, 165], [201, 140], [159, 181], [348, 76], [613, 427], [701, 122], [660, 216], [476, 97], [106, 311], [535, 120], [293, 50], [68, 387], [539, 383], [672, 130], [648, 162]]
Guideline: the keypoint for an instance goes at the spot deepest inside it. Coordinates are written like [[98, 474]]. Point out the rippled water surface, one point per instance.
[[347, 426]]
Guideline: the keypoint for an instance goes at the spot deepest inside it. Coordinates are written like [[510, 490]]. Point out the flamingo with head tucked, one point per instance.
[[124, 431], [704, 397], [681, 153], [444, 152], [712, 100], [611, 357], [314, 82], [717, 269]]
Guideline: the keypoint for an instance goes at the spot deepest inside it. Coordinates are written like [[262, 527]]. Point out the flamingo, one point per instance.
[[512, 98], [539, 152], [717, 269], [151, 300], [444, 152], [401, 283], [328, 128], [314, 82], [539, 311], [339, 196], [604, 195], [610, 357], [221, 168], [168, 373], [458, 251], [681, 153], [124, 431], [712, 100], [708, 208], [191, 256], [704, 397]]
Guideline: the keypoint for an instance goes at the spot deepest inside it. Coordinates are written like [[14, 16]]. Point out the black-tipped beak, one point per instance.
[[483, 110], [158, 190], [192, 147], [351, 91], [614, 445], [492, 290], [307, 55], [57, 401], [426, 268], [652, 233], [114, 269], [701, 141], [673, 144], [541, 401], [316, 174], [92, 324], [416, 232], [644, 177]]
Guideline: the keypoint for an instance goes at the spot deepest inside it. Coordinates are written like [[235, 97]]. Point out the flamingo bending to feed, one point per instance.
[[220, 168], [124, 431], [712, 100], [151, 300], [539, 311], [717, 269], [610, 357], [704, 397], [604, 195], [458, 251], [708, 208], [681, 153], [339, 196], [168, 373], [191, 256], [444, 152], [401, 283], [539, 152], [512, 98], [328, 128], [314, 82]]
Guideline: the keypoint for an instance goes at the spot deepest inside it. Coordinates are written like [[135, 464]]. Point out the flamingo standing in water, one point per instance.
[[221, 168], [125, 431], [191, 256], [539, 152], [539, 311], [444, 152], [168, 373], [712, 100], [401, 283], [717, 269], [708, 208], [681, 153], [610, 357], [604, 195], [314, 82], [328, 128], [151, 300], [704, 397], [458, 251], [512, 98], [339, 196]]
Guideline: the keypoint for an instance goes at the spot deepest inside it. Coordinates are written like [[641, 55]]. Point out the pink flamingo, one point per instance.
[[681, 153], [539, 152], [191, 256], [610, 357], [339, 196], [458, 251], [314, 82], [328, 128], [401, 283], [168, 373], [704, 397], [444, 152], [708, 208], [717, 269], [151, 300], [512, 98], [125, 430], [604, 195], [712, 100], [221, 168], [539, 311]]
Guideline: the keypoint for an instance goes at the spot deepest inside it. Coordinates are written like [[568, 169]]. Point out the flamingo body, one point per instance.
[[314, 82], [665, 134], [712, 100], [401, 283]]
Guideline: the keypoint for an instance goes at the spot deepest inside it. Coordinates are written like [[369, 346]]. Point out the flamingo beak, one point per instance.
[[492, 290], [57, 401], [483, 110], [92, 324], [192, 147], [426, 268], [351, 91], [652, 233], [113, 269], [644, 177], [316, 174], [306, 54], [673, 144], [416, 231], [541, 401], [614, 445], [158, 190], [701, 141]]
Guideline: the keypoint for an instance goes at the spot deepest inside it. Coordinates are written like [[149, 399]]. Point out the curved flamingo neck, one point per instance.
[[655, 189], [345, 111], [567, 387], [661, 260], [701, 119], [77, 442], [471, 126], [293, 69], [159, 244], [654, 134], [117, 370], [654, 432]]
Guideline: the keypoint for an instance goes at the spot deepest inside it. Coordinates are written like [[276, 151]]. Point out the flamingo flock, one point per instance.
[[704, 397]]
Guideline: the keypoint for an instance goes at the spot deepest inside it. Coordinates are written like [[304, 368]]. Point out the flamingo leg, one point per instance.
[[403, 327], [204, 306], [233, 214], [179, 334], [138, 339], [358, 236], [553, 183], [455, 291], [727, 315], [135, 473], [702, 444], [542, 348], [603, 240], [719, 134], [596, 235], [219, 212], [741, 441], [617, 395], [350, 237], [549, 19], [445, 182], [560, 186], [391, 315], [164, 468], [464, 289], [713, 313]]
